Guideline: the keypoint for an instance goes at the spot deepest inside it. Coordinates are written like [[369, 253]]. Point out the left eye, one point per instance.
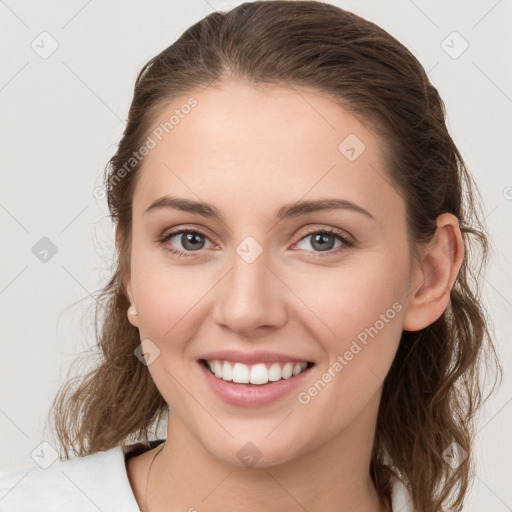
[[324, 241]]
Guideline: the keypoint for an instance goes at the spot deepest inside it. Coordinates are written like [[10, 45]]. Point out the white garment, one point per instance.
[[97, 482]]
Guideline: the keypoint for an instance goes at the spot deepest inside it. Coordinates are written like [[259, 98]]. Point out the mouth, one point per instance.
[[258, 374]]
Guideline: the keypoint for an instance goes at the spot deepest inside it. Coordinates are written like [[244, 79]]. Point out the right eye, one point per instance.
[[191, 241]]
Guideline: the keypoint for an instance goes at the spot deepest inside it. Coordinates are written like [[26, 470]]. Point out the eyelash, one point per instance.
[[319, 254]]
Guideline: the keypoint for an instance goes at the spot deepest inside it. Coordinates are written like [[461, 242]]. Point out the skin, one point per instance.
[[248, 151]]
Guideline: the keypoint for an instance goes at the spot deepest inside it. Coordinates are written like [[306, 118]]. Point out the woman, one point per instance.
[[320, 346]]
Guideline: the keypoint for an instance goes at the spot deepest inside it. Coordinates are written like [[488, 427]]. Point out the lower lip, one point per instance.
[[251, 395]]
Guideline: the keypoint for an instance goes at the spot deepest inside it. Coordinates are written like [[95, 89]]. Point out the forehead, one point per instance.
[[247, 146]]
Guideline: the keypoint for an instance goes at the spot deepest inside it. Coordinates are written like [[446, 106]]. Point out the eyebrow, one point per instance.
[[290, 210]]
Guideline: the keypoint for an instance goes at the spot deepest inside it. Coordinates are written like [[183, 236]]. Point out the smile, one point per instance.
[[258, 374]]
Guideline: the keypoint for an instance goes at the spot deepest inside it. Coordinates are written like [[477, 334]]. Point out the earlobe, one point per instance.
[[132, 310], [437, 271]]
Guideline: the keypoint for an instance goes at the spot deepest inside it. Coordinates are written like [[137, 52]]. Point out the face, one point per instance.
[[256, 279]]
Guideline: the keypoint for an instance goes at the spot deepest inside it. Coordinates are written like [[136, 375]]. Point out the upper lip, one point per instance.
[[236, 356]]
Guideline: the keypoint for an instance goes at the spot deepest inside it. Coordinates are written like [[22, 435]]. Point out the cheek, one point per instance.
[[355, 297], [361, 316], [165, 293], [170, 312], [166, 303]]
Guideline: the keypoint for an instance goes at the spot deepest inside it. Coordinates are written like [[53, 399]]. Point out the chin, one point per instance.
[[258, 454]]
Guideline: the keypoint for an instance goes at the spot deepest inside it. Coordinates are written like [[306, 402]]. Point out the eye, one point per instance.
[[193, 241], [190, 240], [324, 241]]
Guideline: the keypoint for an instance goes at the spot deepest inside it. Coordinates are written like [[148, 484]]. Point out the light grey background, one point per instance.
[[63, 115]]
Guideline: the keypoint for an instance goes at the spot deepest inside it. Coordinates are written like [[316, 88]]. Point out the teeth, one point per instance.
[[240, 373], [274, 372], [287, 371], [260, 373], [227, 371], [297, 369], [217, 369]]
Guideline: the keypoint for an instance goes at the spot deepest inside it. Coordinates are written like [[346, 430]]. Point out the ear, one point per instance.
[[126, 277], [436, 272]]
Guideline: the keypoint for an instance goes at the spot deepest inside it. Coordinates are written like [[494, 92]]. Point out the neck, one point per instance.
[[333, 476]]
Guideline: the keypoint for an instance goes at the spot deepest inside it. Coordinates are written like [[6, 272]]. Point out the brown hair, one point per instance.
[[434, 386]]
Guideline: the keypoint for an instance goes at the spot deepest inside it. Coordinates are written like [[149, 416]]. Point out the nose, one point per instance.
[[251, 298]]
